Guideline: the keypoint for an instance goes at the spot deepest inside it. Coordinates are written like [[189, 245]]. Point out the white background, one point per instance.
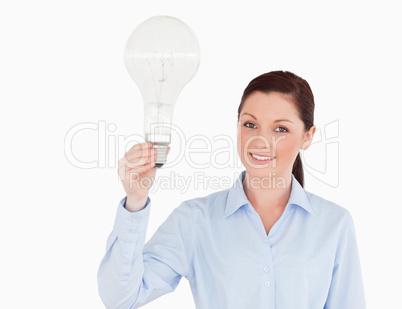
[[62, 65]]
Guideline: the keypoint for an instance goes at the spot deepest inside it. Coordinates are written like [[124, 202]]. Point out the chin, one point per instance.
[[261, 171]]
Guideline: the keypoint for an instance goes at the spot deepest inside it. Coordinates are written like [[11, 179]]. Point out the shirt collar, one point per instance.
[[237, 198]]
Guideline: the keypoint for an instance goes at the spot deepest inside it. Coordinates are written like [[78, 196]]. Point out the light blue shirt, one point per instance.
[[309, 260]]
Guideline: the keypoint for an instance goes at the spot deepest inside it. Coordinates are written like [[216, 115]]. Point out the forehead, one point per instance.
[[270, 105]]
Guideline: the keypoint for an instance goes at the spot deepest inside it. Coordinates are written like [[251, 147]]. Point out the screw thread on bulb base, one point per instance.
[[161, 154]]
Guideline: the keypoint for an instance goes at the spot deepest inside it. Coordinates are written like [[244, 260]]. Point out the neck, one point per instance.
[[268, 193]]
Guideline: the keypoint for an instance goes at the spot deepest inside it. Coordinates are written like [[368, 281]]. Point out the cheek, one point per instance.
[[240, 140], [287, 147], [242, 137]]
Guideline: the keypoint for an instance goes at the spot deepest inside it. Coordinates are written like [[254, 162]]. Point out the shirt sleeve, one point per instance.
[[132, 274], [346, 290]]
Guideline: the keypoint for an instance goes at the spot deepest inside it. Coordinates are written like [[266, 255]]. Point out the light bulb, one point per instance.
[[162, 55]]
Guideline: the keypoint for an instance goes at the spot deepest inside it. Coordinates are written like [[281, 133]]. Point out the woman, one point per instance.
[[264, 243]]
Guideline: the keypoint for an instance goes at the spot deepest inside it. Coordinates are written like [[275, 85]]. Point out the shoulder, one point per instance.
[[329, 212]]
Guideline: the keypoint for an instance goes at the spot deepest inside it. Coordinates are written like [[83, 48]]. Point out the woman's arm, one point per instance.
[[131, 274], [347, 290], [128, 275]]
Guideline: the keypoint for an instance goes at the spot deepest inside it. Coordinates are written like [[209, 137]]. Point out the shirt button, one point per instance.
[[266, 269], [267, 283]]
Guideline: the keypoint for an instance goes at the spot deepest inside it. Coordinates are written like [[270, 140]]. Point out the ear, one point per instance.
[[308, 138]]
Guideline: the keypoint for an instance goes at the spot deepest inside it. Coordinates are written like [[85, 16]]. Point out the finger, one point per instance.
[[140, 146], [125, 170], [135, 163], [140, 153], [139, 159], [138, 156], [142, 169]]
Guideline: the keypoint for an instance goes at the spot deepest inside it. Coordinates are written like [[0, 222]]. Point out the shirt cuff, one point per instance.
[[128, 224]]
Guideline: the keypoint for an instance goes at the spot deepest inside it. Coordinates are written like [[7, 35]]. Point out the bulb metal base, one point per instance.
[[160, 143], [161, 154]]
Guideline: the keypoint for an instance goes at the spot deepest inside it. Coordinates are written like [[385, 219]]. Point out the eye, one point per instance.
[[250, 125], [281, 130]]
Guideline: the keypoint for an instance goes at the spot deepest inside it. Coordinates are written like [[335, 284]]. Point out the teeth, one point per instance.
[[262, 158]]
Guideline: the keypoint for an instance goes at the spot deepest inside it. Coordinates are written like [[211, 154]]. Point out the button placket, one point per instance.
[[267, 267]]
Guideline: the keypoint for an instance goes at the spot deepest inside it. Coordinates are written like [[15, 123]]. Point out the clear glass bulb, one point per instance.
[[162, 55]]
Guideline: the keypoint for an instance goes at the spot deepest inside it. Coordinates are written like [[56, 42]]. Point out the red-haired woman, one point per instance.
[[264, 243]]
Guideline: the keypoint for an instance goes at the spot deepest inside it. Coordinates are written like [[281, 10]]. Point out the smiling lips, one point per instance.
[[261, 158]]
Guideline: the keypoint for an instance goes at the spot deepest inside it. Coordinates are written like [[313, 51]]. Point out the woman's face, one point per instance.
[[270, 134]]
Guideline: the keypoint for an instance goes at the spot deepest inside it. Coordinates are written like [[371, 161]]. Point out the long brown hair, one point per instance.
[[299, 92]]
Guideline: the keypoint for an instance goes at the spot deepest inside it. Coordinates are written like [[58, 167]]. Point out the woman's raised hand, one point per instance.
[[137, 173]]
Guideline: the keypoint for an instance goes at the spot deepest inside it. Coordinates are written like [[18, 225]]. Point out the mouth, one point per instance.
[[261, 159]]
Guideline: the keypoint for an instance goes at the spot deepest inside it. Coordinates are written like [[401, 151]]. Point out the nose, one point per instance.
[[258, 142]]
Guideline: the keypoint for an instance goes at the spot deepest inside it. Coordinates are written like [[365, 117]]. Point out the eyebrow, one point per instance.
[[278, 120]]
